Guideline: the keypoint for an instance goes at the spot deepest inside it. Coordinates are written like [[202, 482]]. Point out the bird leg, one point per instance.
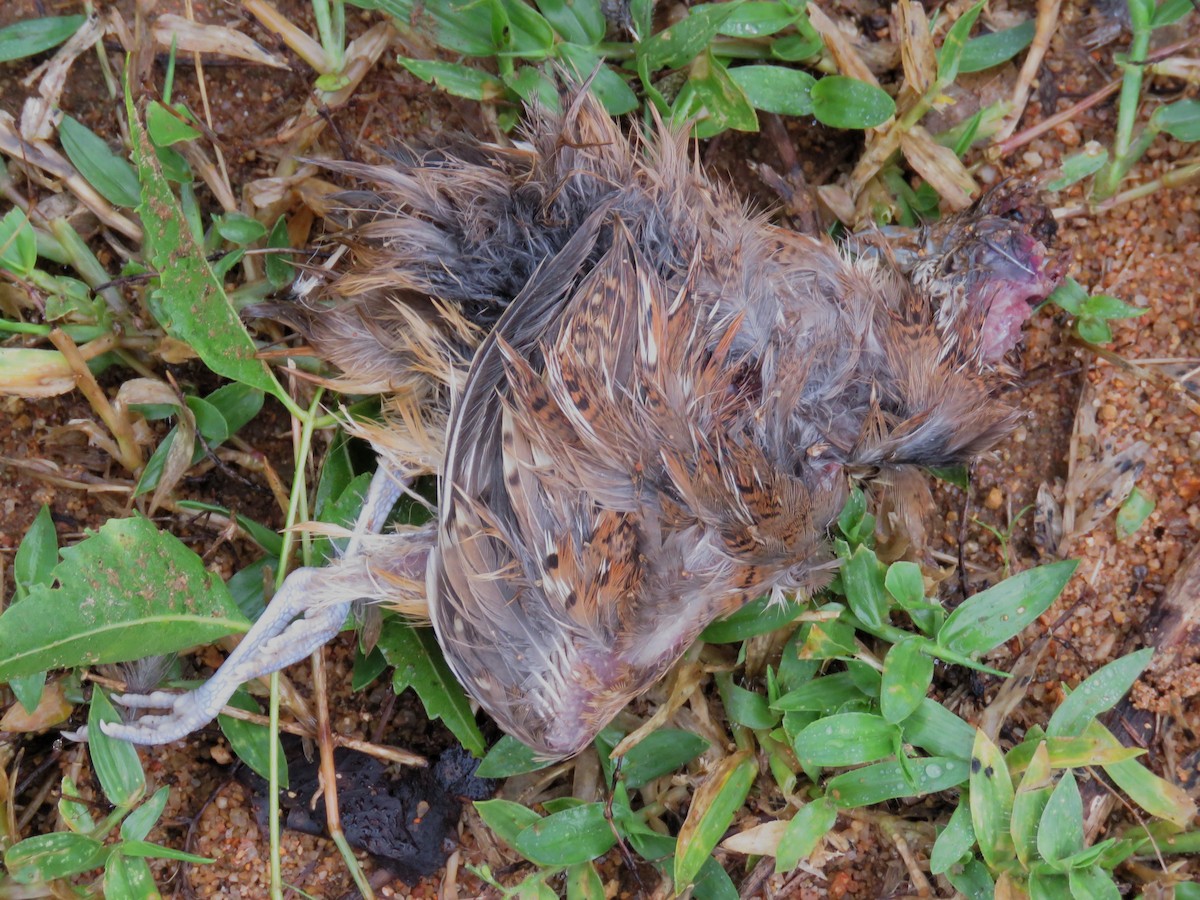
[[320, 596]]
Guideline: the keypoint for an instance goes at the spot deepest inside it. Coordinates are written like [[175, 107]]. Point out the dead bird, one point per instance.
[[643, 402]]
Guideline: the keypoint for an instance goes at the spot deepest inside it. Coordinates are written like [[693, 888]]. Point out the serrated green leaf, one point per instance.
[[126, 592], [190, 303], [420, 665]]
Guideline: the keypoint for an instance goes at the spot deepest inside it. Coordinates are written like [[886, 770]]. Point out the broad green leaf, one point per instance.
[[972, 880], [1105, 306], [797, 47], [1155, 795], [1028, 804], [18, 244], [460, 26], [907, 675], [1096, 883], [713, 100], [1169, 12], [758, 18], [660, 753], [114, 761], [45, 857], [949, 57], [126, 592], [1180, 119], [139, 822], [508, 757], [744, 707], [759, 616], [842, 102], [37, 555], [609, 88], [129, 878], [419, 665], [569, 837], [846, 739], [776, 89], [878, 782], [189, 302], [676, 45], [239, 229], [108, 173], [991, 801], [1060, 832], [1069, 296], [1078, 167], [1133, 513], [1100, 692], [506, 818], [954, 841], [169, 125], [31, 36], [713, 806], [938, 731], [862, 579], [280, 270], [250, 741], [810, 823], [991, 617], [823, 694], [989, 50], [577, 21], [584, 882]]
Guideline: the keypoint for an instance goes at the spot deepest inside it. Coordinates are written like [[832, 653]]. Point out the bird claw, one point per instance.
[[188, 712]]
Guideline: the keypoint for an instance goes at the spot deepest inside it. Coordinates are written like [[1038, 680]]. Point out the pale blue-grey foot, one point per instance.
[[321, 598]]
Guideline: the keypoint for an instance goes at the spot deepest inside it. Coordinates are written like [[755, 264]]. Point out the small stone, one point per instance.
[[1108, 413], [994, 498]]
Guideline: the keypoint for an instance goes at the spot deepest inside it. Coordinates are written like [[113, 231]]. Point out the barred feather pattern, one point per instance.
[[650, 401]]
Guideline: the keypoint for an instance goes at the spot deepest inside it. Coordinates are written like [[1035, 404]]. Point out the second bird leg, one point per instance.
[[320, 597]]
